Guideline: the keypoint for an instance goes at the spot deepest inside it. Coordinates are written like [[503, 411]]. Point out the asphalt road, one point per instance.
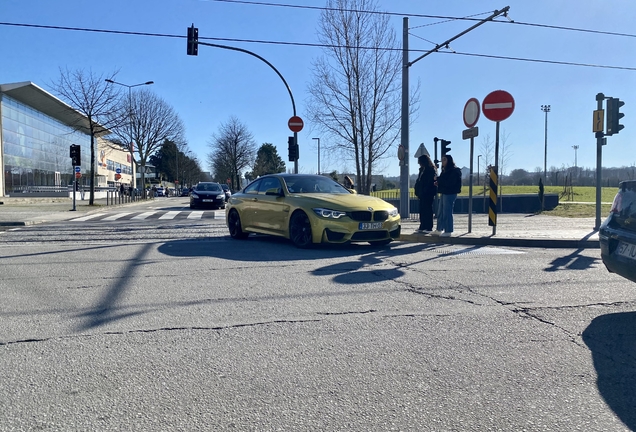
[[168, 324]]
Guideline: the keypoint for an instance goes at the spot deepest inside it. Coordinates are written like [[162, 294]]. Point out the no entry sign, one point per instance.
[[498, 105], [295, 124]]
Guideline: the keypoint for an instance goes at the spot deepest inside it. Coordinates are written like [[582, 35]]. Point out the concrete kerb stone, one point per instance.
[[504, 242]]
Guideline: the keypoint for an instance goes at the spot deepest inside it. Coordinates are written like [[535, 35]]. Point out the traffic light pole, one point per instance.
[[275, 70], [600, 97]]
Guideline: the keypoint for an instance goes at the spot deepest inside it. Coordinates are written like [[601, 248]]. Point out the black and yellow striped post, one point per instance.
[[492, 210]]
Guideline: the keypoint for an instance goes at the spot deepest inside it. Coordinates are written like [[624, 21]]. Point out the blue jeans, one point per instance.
[[445, 213]]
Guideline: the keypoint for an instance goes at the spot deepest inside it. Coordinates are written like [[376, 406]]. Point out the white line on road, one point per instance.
[[116, 216], [144, 215], [170, 215], [195, 215], [85, 218]]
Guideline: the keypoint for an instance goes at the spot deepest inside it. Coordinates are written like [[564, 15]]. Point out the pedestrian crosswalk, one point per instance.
[[151, 215]]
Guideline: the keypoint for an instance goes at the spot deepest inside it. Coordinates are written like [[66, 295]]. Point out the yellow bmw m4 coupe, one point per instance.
[[310, 209]]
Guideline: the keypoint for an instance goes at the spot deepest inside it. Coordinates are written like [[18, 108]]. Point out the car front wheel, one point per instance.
[[234, 224], [300, 230]]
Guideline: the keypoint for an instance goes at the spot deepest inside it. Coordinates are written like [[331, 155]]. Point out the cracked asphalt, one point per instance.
[[167, 326]]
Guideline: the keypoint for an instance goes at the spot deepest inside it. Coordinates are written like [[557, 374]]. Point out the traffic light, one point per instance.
[[614, 115], [76, 155], [445, 147], [292, 149], [193, 40]]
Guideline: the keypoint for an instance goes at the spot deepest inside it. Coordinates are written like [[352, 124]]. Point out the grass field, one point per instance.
[[568, 205]]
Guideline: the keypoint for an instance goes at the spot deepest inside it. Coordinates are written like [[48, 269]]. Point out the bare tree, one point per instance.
[[89, 97], [233, 150], [153, 121], [355, 90]]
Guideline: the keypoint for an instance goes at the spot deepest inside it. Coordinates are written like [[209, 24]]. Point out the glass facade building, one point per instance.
[[34, 147]]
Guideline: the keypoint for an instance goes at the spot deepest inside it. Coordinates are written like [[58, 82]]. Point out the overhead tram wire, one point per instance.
[[312, 45], [442, 17]]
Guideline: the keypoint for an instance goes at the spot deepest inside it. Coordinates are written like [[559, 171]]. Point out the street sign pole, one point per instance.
[[74, 190], [470, 187]]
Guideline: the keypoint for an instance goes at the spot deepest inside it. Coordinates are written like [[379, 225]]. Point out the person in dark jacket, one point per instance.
[[449, 184], [426, 190]]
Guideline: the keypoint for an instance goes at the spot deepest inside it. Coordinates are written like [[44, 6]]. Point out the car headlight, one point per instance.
[[393, 212], [195, 196], [327, 213]]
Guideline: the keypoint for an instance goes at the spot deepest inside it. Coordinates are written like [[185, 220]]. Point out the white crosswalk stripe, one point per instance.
[[116, 216], [151, 215], [195, 215], [144, 215], [170, 215], [85, 218]]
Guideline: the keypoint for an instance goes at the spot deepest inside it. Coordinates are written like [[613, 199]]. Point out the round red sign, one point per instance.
[[498, 105], [295, 124]]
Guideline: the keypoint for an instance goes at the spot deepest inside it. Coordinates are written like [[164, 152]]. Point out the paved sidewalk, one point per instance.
[[516, 230]]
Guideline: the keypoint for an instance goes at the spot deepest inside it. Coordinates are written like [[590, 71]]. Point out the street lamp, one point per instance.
[[546, 110], [130, 147], [576, 148], [478, 169], [318, 154]]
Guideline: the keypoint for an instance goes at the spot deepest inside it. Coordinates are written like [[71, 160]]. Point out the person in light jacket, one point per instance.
[[449, 184]]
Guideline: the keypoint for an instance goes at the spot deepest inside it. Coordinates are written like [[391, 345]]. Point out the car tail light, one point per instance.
[[617, 205]]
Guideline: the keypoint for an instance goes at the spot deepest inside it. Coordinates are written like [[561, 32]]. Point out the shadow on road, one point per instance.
[[612, 340], [573, 261]]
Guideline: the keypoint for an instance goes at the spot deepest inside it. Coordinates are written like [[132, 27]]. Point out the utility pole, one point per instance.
[[576, 148], [405, 212]]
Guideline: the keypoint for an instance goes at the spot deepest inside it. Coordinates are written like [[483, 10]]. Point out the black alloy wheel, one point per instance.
[[300, 230], [234, 224]]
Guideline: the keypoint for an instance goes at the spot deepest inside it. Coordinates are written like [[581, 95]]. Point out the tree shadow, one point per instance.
[[612, 340]]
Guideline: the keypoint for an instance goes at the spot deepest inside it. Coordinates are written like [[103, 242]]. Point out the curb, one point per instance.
[[509, 242]]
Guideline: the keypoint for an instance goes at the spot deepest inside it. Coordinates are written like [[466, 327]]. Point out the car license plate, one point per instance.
[[208, 200], [626, 250], [370, 225]]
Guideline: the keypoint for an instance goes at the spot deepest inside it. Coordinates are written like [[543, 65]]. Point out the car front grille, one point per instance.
[[367, 216]]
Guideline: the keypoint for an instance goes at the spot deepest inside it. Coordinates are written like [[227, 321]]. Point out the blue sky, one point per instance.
[[208, 89]]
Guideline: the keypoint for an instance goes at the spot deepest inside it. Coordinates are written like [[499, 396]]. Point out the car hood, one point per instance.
[[340, 202]]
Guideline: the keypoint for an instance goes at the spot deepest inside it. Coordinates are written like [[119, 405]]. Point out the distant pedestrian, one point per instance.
[[449, 184], [541, 194], [425, 190], [122, 190]]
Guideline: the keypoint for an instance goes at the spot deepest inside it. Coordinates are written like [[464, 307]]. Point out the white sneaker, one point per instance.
[[424, 231], [436, 232], [446, 234]]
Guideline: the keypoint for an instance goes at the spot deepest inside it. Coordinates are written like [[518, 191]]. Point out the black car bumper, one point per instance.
[[618, 250]]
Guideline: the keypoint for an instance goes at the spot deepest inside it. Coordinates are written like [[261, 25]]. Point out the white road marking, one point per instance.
[[195, 215], [170, 215], [85, 218], [116, 216], [143, 215]]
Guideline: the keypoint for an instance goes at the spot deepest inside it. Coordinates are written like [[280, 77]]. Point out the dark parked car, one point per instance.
[[207, 194], [618, 233], [185, 192], [228, 194]]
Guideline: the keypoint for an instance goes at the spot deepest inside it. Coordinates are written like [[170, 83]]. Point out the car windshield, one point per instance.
[[314, 184], [208, 187]]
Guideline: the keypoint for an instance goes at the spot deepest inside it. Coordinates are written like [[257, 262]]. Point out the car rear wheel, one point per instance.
[[234, 224], [300, 230]]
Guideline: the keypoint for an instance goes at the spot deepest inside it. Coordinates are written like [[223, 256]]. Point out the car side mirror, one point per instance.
[[275, 192]]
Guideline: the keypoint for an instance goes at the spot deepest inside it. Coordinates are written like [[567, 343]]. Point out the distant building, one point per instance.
[[36, 132]]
